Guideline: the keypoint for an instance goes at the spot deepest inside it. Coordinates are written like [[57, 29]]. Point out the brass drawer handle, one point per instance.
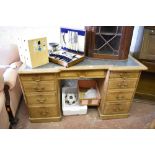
[[123, 75], [117, 109], [44, 113], [41, 100], [120, 108], [37, 79], [39, 89], [82, 75], [122, 85], [120, 97]]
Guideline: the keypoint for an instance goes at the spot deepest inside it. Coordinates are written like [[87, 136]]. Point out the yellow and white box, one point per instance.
[[33, 52]]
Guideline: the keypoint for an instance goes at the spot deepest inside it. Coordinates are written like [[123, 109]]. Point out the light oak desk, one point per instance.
[[117, 81]]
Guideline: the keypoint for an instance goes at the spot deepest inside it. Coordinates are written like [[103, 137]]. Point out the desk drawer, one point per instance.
[[97, 73], [119, 95], [124, 74], [120, 83], [37, 77], [116, 108], [82, 74], [69, 74], [42, 98], [39, 86], [43, 112]]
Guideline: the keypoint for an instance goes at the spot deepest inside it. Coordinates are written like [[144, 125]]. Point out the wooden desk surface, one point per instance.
[[88, 64]]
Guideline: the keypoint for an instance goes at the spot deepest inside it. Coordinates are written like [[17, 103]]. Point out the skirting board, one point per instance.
[[43, 120], [113, 116]]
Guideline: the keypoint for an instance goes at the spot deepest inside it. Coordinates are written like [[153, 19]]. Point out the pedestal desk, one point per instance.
[[117, 81]]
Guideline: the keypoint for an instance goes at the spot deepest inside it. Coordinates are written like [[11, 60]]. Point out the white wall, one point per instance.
[[10, 34], [136, 39]]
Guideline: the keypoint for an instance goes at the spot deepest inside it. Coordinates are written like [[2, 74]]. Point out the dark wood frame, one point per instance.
[[13, 120], [124, 46]]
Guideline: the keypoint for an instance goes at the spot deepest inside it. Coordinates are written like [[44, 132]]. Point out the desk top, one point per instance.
[[88, 64]]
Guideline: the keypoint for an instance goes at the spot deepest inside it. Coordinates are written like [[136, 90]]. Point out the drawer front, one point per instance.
[[39, 86], [124, 74], [37, 77], [69, 74], [98, 73], [119, 95], [117, 108], [82, 74], [119, 83], [43, 112], [42, 98]]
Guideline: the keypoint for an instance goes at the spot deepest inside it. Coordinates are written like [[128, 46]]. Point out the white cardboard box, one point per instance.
[[75, 109], [33, 51]]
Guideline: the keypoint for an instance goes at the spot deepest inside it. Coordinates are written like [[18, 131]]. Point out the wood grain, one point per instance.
[[117, 85]]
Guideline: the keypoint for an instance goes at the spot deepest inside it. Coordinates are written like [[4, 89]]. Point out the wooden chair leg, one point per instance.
[[12, 119]]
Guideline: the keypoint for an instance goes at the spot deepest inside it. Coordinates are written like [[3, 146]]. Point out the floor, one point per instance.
[[142, 115]]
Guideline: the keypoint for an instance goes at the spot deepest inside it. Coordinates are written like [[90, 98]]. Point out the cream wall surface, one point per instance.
[[10, 34]]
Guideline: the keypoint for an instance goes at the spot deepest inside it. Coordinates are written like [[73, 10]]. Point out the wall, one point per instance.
[[9, 35], [136, 39]]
